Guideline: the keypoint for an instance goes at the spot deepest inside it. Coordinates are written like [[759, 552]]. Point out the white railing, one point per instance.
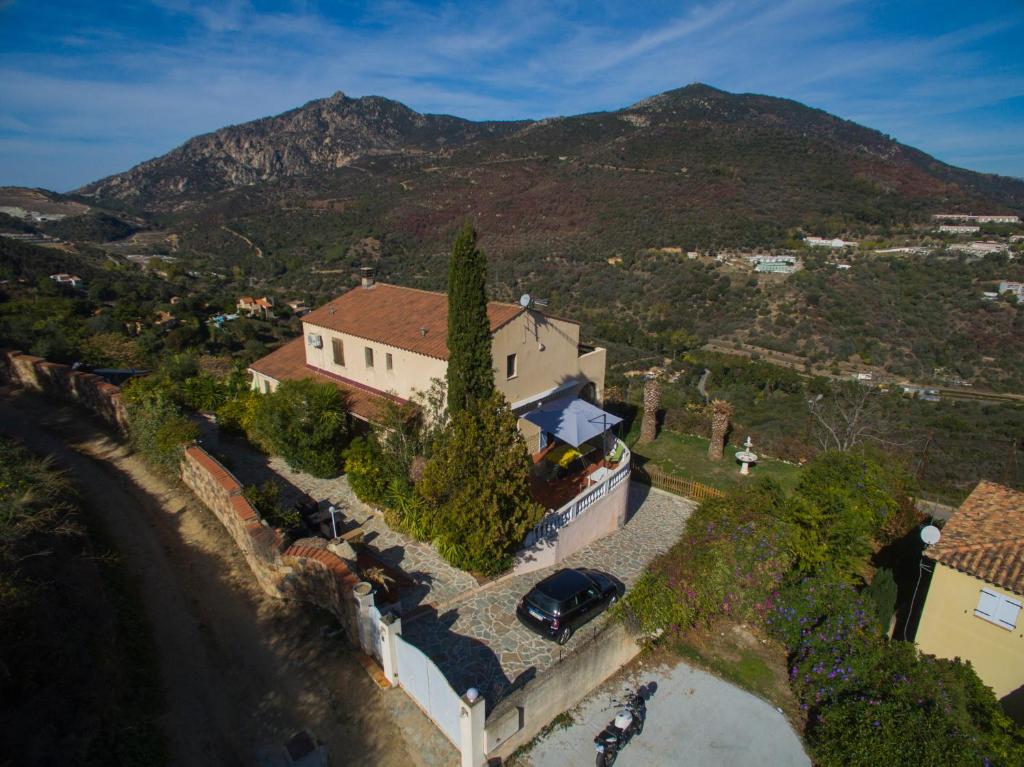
[[556, 520]]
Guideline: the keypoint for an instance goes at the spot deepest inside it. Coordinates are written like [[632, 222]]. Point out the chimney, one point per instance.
[[367, 275]]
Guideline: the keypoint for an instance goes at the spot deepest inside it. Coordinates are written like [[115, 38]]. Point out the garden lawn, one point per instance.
[[686, 456]]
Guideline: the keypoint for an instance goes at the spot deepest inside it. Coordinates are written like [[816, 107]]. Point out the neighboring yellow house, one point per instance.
[[973, 608], [379, 342]]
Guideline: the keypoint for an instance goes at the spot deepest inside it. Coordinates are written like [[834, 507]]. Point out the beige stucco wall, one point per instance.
[[547, 357], [410, 372], [546, 350], [950, 629]]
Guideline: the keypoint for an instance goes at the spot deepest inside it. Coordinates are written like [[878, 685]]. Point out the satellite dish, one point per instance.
[[524, 300], [930, 535]]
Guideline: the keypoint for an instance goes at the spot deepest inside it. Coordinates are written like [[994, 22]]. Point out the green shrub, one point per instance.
[[306, 423], [406, 511], [873, 701], [843, 502], [478, 484], [365, 470], [882, 594], [729, 562], [266, 499], [157, 427], [653, 606]]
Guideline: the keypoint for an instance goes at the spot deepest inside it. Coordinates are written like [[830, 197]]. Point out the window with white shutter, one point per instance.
[[997, 609]]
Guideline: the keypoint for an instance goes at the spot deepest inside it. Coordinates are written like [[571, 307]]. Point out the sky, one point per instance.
[[92, 87]]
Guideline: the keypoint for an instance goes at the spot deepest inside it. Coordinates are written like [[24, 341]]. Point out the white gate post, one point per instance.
[[471, 731], [390, 627], [363, 593]]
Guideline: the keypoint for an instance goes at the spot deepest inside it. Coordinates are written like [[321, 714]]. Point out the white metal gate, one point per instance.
[[426, 685]]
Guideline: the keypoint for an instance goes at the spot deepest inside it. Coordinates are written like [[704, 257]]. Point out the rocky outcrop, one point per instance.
[[318, 137]]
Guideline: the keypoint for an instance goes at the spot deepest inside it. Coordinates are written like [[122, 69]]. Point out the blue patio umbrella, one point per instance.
[[572, 420]]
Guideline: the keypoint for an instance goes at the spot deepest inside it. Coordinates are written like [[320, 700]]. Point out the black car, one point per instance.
[[564, 601]]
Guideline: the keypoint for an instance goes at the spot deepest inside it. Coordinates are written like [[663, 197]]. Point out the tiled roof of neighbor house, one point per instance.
[[407, 318], [288, 363], [985, 537]]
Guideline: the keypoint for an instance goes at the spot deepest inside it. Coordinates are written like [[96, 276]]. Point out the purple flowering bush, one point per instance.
[[872, 701], [730, 562]]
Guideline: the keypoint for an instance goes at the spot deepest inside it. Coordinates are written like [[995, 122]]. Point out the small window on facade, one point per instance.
[[511, 370], [339, 351], [266, 386], [997, 609], [368, 352], [388, 361]]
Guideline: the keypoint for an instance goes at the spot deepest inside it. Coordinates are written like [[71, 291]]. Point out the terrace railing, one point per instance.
[[556, 520]]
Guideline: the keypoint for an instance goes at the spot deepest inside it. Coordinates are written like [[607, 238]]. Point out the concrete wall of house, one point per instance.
[[516, 719], [61, 382], [262, 383], [410, 372], [547, 357], [949, 629]]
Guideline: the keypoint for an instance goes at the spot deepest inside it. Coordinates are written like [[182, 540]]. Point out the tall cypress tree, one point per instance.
[[470, 368]]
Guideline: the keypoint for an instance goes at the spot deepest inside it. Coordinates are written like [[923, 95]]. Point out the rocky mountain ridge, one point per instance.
[[700, 149]]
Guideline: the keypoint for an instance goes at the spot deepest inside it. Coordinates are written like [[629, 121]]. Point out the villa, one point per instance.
[[381, 342]]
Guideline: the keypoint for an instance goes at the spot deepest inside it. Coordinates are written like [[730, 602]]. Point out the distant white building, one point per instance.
[[821, 242], [988, 219], [71, 280], [774, 264], [959, 229]]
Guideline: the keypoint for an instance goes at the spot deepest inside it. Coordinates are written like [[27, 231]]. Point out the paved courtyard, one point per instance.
[[477, 641], [438, 581], [693, 718], [471, 631]]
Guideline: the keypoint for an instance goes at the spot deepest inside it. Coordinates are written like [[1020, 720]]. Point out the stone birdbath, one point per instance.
[[746, 456]]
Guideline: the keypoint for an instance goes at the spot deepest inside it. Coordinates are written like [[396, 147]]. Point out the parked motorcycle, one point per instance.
[[628, 723]]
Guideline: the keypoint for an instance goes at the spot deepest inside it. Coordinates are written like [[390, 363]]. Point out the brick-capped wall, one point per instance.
[[305, 570], [60, 381]]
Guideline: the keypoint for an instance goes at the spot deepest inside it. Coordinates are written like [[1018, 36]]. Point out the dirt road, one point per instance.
[[241, 671]]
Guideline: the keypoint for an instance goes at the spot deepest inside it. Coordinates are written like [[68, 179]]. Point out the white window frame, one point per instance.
[[368, 356], [998, 609], [515, 366], [389, 361]]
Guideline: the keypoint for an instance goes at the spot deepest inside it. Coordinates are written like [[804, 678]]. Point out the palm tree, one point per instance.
[[721, 411], [652, 401]]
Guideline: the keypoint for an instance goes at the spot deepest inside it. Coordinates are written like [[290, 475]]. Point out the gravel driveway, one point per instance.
[[693, 719]]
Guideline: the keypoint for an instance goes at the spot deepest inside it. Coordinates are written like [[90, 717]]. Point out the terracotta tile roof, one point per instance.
[[288, 363], [398, 316], [985, 537]]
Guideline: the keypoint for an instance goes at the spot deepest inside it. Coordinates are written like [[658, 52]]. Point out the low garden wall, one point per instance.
[[515, 720], [61, 382], [305, 570]]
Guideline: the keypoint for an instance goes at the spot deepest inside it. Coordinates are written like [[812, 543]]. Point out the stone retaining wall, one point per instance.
[[306, 570], [61, 382]]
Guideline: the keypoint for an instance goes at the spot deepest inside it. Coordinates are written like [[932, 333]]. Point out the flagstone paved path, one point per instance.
[[439, 582], [476, 640]]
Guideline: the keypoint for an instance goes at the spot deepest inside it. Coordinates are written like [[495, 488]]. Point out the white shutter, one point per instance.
[[1008, 611], [988, 605]]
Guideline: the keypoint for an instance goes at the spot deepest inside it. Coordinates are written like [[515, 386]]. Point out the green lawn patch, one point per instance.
[[686, 456]]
